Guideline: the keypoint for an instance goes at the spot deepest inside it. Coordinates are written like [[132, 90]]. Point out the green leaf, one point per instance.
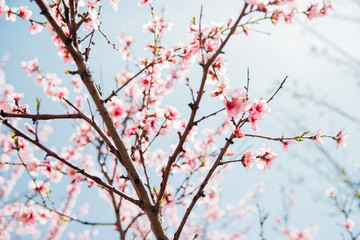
[[306, 132], [37, 105], [299, 139], [357, 194]]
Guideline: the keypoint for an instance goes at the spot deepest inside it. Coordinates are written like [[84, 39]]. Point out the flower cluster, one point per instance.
[[263, 159], [49, 81]]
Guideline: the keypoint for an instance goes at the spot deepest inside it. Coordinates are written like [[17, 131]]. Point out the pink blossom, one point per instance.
[[305, 234], [265, 157], [255, 2], [247, 160], [40, 186], [4, 159], [287, 143], [78, 85], [171, 113], [64, 54], [143, 2], [21, 143], [260, 186], [3, 8], [349, 224], [331, 192], [35, 28], [29, 128], [289, 16], [92, 3], [25, 214], [24, 12], [238, 133], [17, 97], [127, 40], [341, 139], [114, 4], [10, 14], [238, 102], [157, 26], [31, 66], [253, 119], [260, 108], [319, 139], [92, 21]]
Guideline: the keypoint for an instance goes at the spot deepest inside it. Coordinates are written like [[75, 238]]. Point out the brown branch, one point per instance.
[[122, 154], [200, 192], [36, 117]]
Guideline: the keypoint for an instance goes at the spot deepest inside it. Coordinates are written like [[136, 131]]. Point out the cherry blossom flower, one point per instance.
[[3, 8], [305, 234], [171, 113], [254, 120], [35, 28], [238, 133], [238, 102], [341, 139], [258, 110], [24, 12], [247, 160], [319, 139], [265, 157], [157, 26], [331, 192], [31, 66], [92, 22], [287, 143], [10, 14], [349, 224], [29, 128], [114, 4], [40, 186], [143, 2], [25, 214], [255, 2]]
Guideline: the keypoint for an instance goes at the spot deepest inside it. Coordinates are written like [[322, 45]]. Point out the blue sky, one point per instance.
[[303, 51]]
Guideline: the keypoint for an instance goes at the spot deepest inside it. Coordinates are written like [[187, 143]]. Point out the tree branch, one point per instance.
[[36, 117], [123, 156]]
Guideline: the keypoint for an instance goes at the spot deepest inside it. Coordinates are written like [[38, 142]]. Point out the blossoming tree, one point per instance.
[[153, 189]]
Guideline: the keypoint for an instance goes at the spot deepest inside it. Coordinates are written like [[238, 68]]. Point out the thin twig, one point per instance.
[[210, 115], [71, 218], [281, 85], [127, 82], [262, 220]]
